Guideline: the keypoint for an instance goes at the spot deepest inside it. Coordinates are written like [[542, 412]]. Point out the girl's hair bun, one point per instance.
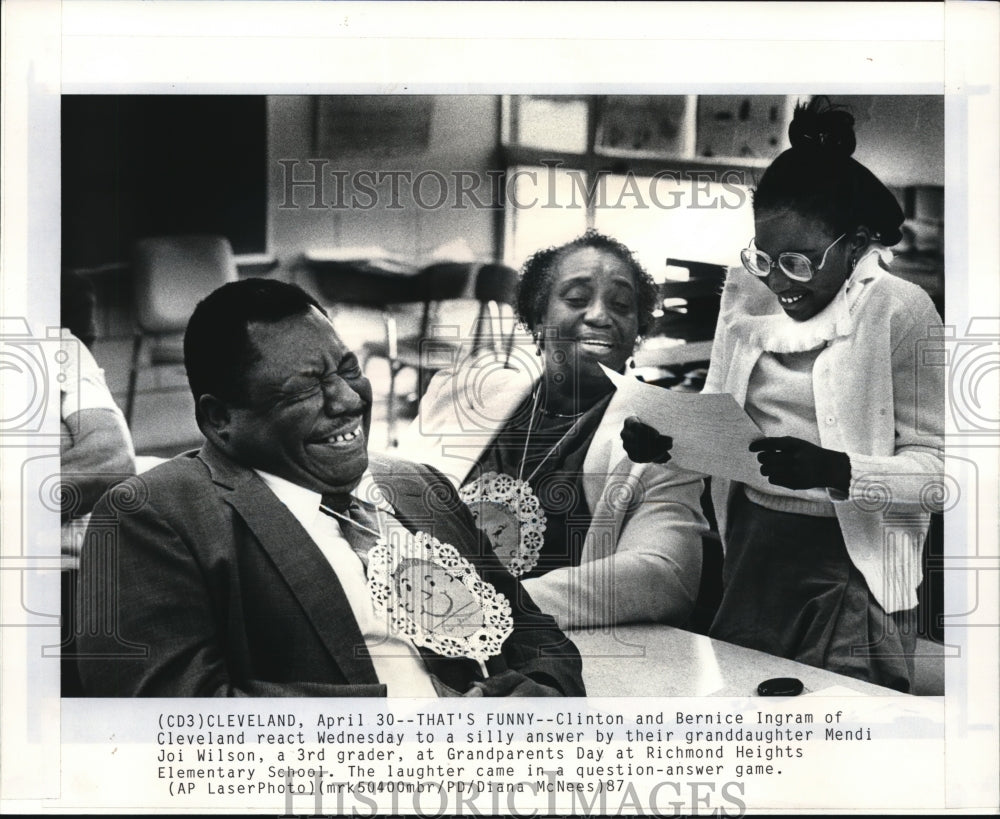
[[821, 126], [818, 177]]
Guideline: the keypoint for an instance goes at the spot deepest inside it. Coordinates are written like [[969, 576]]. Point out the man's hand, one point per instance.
[[643, 444], [510, 684], [443, 690], [798, 464]]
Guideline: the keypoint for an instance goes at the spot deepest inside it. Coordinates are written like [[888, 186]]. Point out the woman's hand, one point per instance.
[[643, 444], [798, 464]]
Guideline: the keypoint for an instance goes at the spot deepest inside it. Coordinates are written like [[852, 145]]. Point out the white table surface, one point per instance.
[[650, 660]]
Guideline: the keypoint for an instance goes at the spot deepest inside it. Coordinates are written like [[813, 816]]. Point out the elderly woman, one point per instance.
[[535, 448], [822, 347]]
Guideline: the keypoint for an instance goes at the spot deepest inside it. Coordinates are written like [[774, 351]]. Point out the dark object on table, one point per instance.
[[780, 687]]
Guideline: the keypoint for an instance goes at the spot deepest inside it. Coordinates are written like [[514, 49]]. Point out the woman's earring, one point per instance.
[[630, 363], [538, 344]]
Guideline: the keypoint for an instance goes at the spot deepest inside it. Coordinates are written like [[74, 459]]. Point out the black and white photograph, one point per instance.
[[670, 400], [589, 243]]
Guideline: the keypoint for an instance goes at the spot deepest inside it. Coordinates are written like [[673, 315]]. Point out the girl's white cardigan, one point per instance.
[[879, 391]]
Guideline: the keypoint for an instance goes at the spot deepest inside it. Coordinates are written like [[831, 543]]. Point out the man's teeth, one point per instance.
[[791, 299], [347, 436]]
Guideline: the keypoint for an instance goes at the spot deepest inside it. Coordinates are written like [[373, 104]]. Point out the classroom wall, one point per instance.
[[900, 138], [462, 137]]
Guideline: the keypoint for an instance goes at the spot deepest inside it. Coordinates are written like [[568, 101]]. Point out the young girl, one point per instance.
[[822, 347]]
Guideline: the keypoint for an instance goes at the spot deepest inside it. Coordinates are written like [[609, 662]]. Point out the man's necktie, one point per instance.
[[361, 526]]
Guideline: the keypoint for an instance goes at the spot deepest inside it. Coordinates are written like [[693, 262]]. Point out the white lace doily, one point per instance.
[[507, 511], [435, 597]]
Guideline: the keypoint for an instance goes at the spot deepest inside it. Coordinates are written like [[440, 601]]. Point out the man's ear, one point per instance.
[[215, 418]]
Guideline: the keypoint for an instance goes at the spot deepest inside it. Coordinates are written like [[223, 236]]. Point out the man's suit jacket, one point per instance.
[[216, 579]]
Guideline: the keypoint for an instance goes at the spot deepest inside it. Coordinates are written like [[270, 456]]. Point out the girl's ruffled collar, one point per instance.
[[775, 332]]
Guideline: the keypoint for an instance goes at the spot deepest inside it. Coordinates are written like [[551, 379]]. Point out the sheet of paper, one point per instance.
[[711, 432]]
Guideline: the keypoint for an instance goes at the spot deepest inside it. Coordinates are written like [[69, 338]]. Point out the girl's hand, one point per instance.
[[643, 444], [798, 464]]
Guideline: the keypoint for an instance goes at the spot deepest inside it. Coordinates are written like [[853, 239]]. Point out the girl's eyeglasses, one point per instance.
[[796, 266]]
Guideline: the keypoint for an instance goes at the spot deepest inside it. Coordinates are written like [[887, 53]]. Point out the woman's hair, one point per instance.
[[817, 177], [535, 285]]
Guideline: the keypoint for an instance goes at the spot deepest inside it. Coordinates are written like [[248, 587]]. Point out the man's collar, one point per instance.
[[301, 502], [227, 473]]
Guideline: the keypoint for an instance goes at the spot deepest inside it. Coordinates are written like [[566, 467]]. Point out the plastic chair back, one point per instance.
[[173, 273], [496, 282], [441, 281]]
